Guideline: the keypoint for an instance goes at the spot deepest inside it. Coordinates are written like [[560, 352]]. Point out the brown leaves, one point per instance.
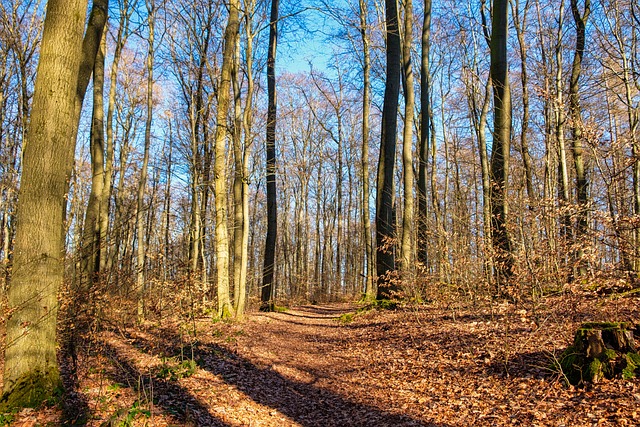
[[416, 366]]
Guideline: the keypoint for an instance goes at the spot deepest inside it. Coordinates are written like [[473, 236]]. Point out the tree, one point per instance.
[[31, 372], [272, 207], [142, 184], [408, 246], [385, 212], [369, 271], [225, 308], [93, 233], [241, 153], [501, 142], [425, 134], [577, 132]]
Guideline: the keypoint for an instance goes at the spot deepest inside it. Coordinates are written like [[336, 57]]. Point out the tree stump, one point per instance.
[[601, 350]]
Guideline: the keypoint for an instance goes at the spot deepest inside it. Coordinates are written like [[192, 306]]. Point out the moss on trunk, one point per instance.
[[32, 390], [601, 350]]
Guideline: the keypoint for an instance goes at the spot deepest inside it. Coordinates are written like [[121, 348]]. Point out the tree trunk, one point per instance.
[[524, 79], [92, 243], [577, 136], [385, 218], [225, 309], [408, 246], [501, 143], [425, 130], [31, 371], [142, 184], [272, 212], [369, 270]]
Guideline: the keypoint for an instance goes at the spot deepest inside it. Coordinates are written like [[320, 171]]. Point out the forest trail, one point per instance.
[[329, 365]]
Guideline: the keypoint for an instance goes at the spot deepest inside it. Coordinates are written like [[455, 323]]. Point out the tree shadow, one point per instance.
[[305, 403], [533, 364], [75, 405], [171, 397]]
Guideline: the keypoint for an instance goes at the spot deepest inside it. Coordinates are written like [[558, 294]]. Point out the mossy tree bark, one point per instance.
[[31, 372], [601, 350]]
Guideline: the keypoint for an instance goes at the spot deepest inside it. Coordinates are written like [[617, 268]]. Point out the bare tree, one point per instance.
[[31, 371], [385, 200]]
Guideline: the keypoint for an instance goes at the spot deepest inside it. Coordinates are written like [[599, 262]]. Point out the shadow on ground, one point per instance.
[[305, 404], [172, 398]]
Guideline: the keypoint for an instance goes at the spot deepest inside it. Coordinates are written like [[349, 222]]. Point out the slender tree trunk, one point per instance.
[[107, 260], [408, 217], [501, 143], [524, 79], [92, 243], [225, 309], [272, 213], [31, 372], [369, 270], [385, 218], [142, 184], [577, 135], [425, 130], [563, 171]]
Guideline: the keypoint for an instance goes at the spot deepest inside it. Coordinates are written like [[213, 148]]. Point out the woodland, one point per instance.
[[320, 213]]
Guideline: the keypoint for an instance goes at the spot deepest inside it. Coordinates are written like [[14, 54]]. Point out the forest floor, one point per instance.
[[327, 365]]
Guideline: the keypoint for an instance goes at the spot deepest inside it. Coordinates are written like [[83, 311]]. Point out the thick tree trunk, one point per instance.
[[272, 212], [31, 371]]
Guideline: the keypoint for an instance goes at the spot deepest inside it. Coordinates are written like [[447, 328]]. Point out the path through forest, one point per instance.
[[322, 366]]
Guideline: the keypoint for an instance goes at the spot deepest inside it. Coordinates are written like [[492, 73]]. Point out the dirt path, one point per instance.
[[274, 369], [425, 366]]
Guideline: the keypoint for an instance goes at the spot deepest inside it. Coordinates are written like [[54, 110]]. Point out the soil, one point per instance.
[[329, 365]]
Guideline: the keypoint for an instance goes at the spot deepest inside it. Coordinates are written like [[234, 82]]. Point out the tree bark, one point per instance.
[[425, 130], [142, 184], [31, 372], [385, 215], [501, 144], [577, 135], [272, 212], [407, 245], [524, 79], [92, 239], [369, 270], [225, 309]]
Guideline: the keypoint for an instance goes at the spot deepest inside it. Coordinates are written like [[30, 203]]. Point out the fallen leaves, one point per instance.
[[417, 366]]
